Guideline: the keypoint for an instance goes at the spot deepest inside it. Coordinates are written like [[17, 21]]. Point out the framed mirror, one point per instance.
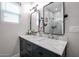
[[35, 21], [53, 14]]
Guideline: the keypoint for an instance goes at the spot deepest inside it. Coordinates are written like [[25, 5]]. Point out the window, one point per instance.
[[11, 12]]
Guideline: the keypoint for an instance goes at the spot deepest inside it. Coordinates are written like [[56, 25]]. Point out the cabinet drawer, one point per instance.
[[47, 53], [28, 45], [25, 53], [25, 48], [41, 52], [35, 51]]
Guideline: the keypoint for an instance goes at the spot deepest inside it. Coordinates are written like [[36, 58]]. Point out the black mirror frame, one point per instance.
[[63, 19], [31, 19]]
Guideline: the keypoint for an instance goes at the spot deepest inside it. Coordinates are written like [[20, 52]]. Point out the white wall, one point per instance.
[[9, 33], [72, 9]]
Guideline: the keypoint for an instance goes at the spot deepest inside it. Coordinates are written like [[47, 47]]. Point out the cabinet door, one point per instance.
[[41, 52], [35, 51], [47, 53], [25, 53], [25, 48]]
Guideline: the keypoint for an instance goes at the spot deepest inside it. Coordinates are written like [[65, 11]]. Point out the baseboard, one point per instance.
[[16, 55], [4, 55], [8, 55]]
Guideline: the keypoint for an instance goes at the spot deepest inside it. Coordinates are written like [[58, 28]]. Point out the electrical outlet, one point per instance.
[[74, 29]]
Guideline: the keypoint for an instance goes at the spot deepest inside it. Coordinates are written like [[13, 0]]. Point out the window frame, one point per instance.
[[9, 12]]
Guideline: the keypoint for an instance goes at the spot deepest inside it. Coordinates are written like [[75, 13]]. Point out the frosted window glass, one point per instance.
[[11, 12], [11, 18], [3, 6], [11, 7]]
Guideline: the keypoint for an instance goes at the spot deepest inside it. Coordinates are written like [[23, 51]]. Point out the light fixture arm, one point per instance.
[[34, 8]]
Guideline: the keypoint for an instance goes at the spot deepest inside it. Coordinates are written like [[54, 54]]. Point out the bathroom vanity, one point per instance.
[[36, 46], [52, 23]]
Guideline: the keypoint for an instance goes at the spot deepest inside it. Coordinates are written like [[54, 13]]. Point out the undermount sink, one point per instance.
[[38, 38]]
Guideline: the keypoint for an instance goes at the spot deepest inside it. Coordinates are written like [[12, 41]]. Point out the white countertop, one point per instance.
[[56, 46]]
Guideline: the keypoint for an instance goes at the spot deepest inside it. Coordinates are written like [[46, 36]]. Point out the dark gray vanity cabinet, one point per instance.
[[42, 52], [29, 49], [25, 48]]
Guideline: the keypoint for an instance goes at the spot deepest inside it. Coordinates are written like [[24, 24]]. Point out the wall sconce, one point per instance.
[[66, 15]]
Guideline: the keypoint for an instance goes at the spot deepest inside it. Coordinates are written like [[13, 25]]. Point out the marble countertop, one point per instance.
[[56, 46]]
